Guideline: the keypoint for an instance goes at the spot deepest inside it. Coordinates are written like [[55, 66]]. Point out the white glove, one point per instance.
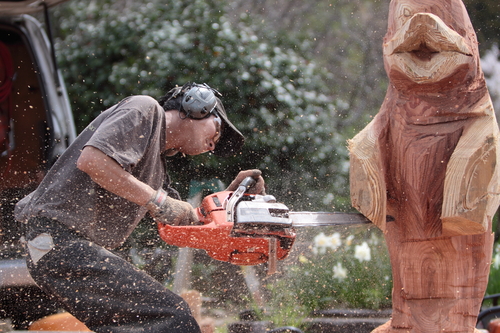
[[171, 211]]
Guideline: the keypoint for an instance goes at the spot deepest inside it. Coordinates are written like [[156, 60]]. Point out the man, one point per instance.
[[97, 192]]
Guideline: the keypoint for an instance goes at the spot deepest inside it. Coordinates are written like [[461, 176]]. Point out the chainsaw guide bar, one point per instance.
[[320, 219]]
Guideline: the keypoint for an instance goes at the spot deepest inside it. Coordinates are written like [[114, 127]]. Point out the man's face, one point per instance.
[[199, 135]]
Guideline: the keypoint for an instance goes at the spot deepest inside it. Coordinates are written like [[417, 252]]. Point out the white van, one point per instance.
[[36, 126]]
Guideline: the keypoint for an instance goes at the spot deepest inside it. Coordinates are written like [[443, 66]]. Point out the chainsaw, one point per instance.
[[248, 229]]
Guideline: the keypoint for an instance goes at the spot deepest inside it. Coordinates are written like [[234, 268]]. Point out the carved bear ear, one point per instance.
[[368, 188]]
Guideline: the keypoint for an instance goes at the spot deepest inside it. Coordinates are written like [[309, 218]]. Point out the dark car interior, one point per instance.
[[24, 148]]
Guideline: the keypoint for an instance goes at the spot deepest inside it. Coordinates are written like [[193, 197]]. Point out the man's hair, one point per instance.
[[170, 104]]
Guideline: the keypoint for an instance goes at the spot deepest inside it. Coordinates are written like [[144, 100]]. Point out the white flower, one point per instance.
[[496, 261], [303, 259], [362, 252], [321, 241], [348, 240], [339, 272], [373, 239], [328, 198], [334, 241]]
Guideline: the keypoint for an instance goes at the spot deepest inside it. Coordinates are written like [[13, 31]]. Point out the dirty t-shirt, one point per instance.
[[133, 133]]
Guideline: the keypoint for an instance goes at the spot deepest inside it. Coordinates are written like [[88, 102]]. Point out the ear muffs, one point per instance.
[[198, 100]]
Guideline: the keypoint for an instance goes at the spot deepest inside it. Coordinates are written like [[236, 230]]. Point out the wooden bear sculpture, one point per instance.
[[429, 161]]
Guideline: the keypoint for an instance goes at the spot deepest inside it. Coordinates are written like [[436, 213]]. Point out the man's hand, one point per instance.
[[258, 188], [171, 211]]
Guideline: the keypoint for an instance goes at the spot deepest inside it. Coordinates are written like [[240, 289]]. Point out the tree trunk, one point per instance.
[[429, 160]]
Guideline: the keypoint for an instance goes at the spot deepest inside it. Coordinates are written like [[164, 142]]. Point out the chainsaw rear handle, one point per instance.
[[237, 196], [247, 183]]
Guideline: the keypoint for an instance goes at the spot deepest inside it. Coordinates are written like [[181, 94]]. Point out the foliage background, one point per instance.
[[274, 94], [298, 78]]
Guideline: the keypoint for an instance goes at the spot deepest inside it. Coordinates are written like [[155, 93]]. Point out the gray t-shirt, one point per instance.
[[133, 133]]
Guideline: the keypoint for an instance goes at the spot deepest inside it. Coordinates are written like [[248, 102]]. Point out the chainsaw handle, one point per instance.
[[237, 196], [247, 183]]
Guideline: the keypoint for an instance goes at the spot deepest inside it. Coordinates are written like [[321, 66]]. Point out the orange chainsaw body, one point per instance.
[[219, 239]]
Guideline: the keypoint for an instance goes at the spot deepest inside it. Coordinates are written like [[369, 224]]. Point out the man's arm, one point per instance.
[[111, 176]]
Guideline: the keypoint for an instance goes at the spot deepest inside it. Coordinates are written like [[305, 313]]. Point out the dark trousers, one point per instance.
[[102, 290]]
